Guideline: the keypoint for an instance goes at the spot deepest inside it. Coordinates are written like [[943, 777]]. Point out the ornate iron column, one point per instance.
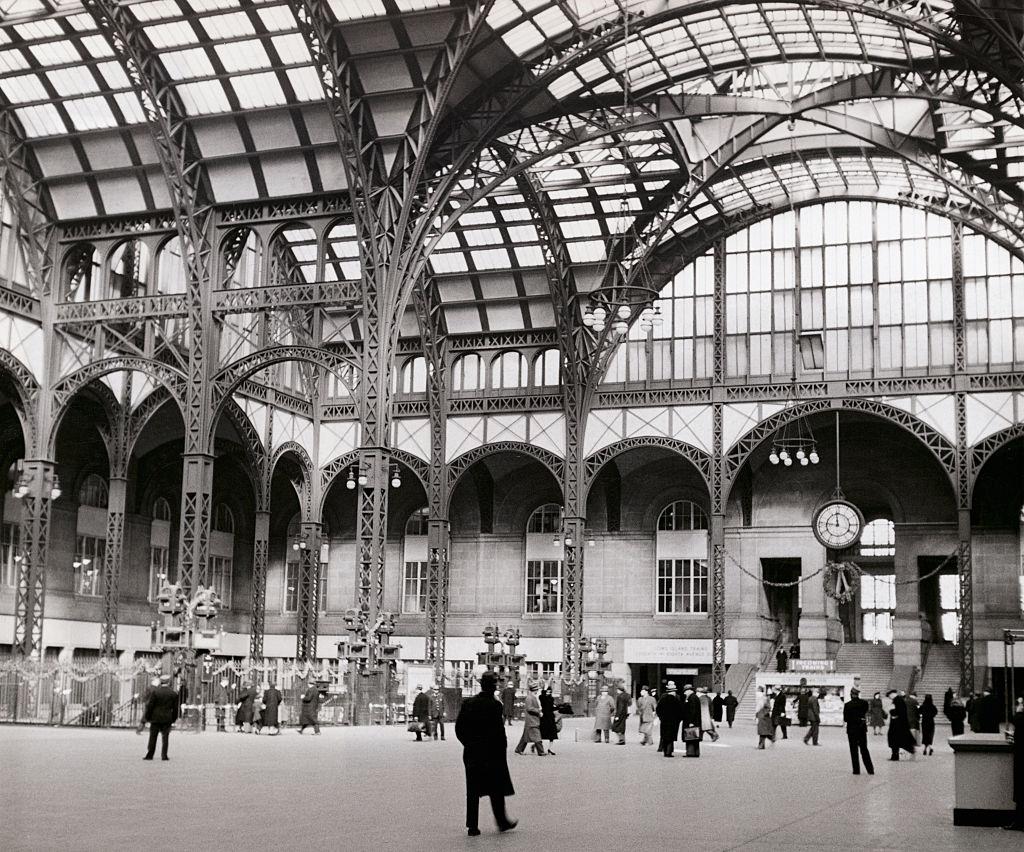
[[572, 597], [35, 541], [196, 510], [308, 591], [717, 537], [260, 560], [372, 532], [117, 494], [437, 593]]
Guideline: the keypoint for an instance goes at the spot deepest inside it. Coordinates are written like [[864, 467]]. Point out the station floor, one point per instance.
[[376, 788]]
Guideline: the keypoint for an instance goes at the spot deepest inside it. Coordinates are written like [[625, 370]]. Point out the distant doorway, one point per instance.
[[783, 600]]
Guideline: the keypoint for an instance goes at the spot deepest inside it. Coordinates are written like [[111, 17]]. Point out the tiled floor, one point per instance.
[[375, 788]]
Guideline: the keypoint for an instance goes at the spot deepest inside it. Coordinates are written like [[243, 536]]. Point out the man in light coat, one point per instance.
[[603, 715], [531, 723], [813, 717], [645, 709]]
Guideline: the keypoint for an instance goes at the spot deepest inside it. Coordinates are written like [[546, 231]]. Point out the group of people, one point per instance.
[[428, 714], [694, 713]]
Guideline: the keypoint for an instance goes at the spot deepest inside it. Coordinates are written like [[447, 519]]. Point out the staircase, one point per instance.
[[941, 672], [872, 662]]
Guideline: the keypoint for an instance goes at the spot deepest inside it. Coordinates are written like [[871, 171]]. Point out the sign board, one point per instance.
[[675, 650], [837, 691], [812, 665], [672, 670], [417, 675]]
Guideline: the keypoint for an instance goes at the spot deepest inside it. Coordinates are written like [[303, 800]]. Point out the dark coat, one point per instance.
[[691, 714], [813, 713], [271, 698], [438, 708], [877, 711], [161, 706], [913, 713], [716, 707], [243, 715], [731, 702], [803, 703], [899, 728], [956, 714], [310, 705], [508, 700], [481, 730], [855, 712], [670, 711], [622, 702], [781, 661], [947, 702], [421, 707], [928, 713], [990, 714], [778, 707], [548, 728], [765, 728]]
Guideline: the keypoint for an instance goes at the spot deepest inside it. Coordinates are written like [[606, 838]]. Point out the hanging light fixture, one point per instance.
[[350, 483], [396, 477], [55, 491], [795, 442], [362, 477]]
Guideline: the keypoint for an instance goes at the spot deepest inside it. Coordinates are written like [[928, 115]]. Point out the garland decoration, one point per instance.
[[841, 580]]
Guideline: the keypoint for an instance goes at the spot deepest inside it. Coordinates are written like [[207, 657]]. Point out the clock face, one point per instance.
[[838, 524]]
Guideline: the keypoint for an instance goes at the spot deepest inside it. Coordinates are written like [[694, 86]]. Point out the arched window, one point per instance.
[[878, 538], [545, 519], [341, 254], [293, 255], [93, 492], [292, 574], [161, 509], [414, 556], [129, 270], [681, 550], [81, 277], [418, 522], [543, 593], [241, 253], [170, 269], [683, 515], [413, 377], [546, 368], [509, 370], [467, 373], [223, 520]]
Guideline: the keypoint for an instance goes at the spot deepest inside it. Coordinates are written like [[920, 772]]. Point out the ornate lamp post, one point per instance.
[[370, 655], [504, 663]]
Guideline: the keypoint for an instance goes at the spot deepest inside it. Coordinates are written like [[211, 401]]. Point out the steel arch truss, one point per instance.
[[27, 390], [458, 466], [701, 461]]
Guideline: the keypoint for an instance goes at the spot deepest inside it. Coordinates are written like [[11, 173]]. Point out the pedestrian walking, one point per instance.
[[481, 730], [670, 713], [645, 710], [622, 703], [803, 699], [221, 700], [957, 715], [854, 715], [271, 709], [603, 715], [705, 720], [508, 702], [244, 712], [549, 720], [437, 712], [421, 713], [899, 735], [161, 712], [813, 717], [928, 713], [914, 715], [531, 723], [717, 706], [877, 714], [765, 725], [779, 717], [310, 708], [731, 702]]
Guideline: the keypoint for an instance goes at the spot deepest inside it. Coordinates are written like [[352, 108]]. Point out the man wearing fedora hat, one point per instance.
[[161, 712], [670, 712], [531, 722], [855, 712]]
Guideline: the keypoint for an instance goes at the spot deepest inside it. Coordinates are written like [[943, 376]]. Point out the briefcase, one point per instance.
[[693, 748], [690, 734]]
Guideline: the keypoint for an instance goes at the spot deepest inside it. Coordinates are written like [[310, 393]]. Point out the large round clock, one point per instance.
[[838, 524]]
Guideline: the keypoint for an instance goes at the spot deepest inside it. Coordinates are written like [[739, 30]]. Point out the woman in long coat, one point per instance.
[[877, 714], [765, 726], [603, 716], [271, 702], [779, 713], [928, 712], [956, 714], [243, 715], [899, 728], [548, 719]]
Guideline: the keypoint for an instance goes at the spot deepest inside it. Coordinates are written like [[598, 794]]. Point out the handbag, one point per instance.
[[691, 733], [415, 728], [558, 724]]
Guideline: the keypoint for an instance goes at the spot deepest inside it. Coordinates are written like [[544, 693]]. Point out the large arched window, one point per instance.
[[509, 370], [682, 555], [292, 574], [161, 509], [546, 368], [93, 492], [414, 557], [91, 536], [222, 552], [223, 519], [81, 274], [159, 547], [170, 268], [467, 373], [878, 586], [413, 376], [241, 258], [878, 538], [543, 592], [128, 270], [293, 256]]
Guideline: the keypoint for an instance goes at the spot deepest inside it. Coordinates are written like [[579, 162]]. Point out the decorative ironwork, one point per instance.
[[308, 610], [598, 459], [30, 595], [260, 561], [458, 466]]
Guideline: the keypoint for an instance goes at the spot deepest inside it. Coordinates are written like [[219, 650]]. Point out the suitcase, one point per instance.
[[693, 748]]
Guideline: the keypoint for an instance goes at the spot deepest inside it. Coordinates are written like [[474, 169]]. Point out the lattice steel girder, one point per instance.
[[113, 557], [965, 572], [372, 528], [196, 507], [572, 597], [438, 577], [260, 561], [36, 234], [30, 593], [308, 592]]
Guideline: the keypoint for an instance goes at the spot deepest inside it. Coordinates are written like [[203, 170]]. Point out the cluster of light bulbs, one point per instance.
[[360, 476], [22, 485], [596, 318], [558, 540], [782, 455], [82, 562]]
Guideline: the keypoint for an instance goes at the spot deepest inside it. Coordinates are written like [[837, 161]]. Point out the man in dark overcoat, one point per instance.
[[480, 729], [1018, 772], [717, 705], [691, 710], [622, 702], [421, 713], [246, 701], [670, 712], [855, 716], [731, 702], [271, 702], [508, 702], [161, 712], [310, 708]]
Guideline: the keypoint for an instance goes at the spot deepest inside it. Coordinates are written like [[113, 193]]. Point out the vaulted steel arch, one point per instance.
[[982, 452], [700, 460], [458, 466], [26, 389]]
